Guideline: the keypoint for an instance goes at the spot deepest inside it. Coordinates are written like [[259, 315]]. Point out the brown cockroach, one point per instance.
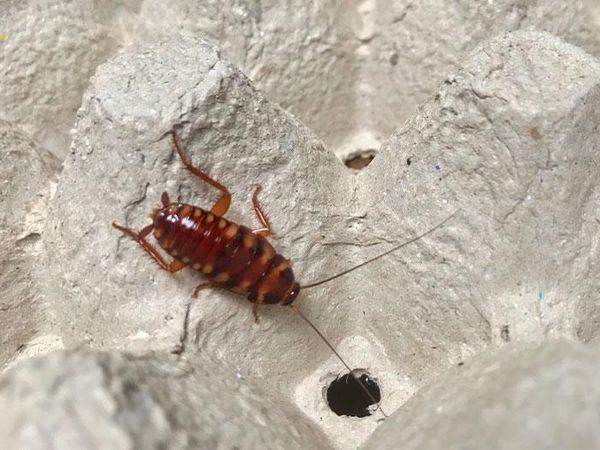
[[232, 256]]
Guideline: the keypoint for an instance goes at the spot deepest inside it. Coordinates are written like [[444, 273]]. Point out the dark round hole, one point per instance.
[[346, 397], [360, 160]]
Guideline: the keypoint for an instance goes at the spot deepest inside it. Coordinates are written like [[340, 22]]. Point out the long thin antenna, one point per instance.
[[364, 388], [392, 250]]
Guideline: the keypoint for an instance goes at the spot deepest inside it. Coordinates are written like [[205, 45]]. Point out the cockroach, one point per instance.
[[233, 256]]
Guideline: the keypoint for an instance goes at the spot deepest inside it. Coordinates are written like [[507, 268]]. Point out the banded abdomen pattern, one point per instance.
[[228, 254]]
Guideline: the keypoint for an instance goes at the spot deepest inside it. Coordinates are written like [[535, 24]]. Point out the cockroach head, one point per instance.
[[291, 296]]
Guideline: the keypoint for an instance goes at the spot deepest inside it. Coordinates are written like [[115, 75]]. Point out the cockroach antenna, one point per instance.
[[381, 255], [358, 380], [340, 274]]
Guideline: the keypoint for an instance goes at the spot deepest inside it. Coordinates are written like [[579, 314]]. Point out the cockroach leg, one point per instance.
[[265, 231], [220, 208], [213, 285], [222, 205], [140, 238], [202, 286], [176, 265]]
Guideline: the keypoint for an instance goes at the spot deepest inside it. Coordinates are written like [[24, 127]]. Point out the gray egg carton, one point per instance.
[[482, 334]]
